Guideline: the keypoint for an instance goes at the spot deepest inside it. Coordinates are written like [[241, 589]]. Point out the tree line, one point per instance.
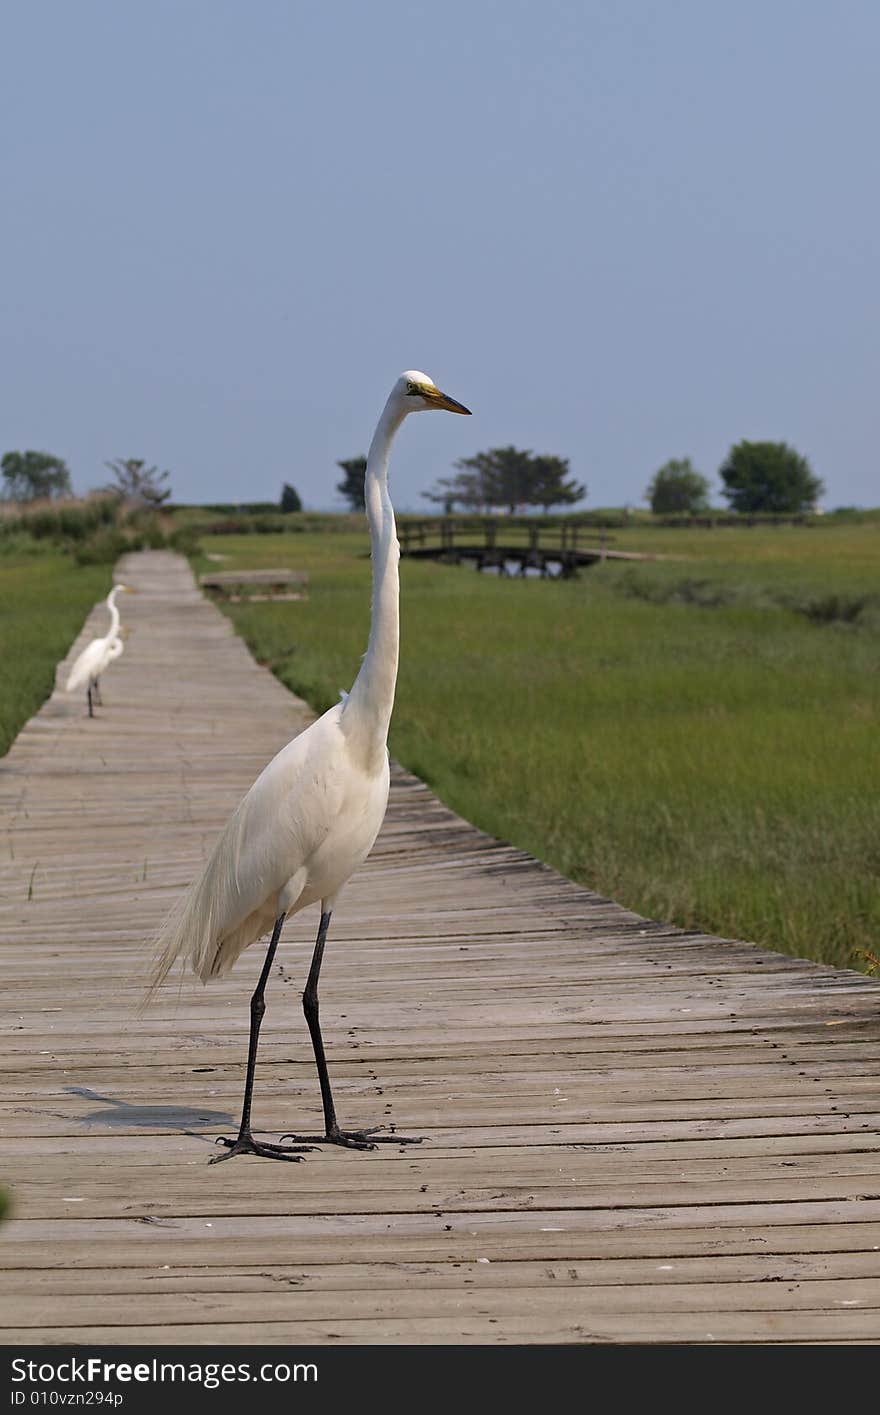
[[755, 477], [40, 476]]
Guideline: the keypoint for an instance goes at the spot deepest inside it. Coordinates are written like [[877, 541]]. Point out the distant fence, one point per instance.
[[579, 528], [709, 520]]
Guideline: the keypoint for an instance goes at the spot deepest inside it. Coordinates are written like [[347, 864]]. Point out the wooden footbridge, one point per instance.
[[516, 547], [632, 1133]]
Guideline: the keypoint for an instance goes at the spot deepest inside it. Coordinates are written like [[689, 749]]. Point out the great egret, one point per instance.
[[98, 654], [312, 815]]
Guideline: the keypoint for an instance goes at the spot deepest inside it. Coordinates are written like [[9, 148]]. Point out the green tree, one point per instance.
[[769, 476], [34, 476], [508, 476], [505, 473], [136, 483], [677, 486], [290, 498], [550, 484], [352, 484], [465, 490]]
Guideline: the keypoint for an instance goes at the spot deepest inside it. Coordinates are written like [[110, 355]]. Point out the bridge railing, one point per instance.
[[450, 534]]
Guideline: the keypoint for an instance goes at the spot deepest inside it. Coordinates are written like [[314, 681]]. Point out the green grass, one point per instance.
[[44, 598], [712, 762], [677, 734]]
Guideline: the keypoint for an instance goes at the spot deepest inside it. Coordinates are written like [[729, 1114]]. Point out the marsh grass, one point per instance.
[[707, 758], [682, 735]]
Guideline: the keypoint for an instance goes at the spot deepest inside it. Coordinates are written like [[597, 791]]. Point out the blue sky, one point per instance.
[[620, 232]]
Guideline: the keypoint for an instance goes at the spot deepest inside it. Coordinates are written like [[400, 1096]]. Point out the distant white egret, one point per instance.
[[98, 654], [312, 815]]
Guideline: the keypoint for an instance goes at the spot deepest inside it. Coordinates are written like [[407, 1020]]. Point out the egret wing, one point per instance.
[[265, 842], [87, 665]]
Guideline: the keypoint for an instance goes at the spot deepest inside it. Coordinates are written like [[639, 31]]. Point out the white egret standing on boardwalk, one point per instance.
[[312, 815], [98, 654]]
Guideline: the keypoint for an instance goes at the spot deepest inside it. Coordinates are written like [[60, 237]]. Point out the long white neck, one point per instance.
[[367, 713], [114, 614]]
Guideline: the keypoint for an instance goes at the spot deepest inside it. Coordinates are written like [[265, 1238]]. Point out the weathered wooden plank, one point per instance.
[[480, 1273], [282, 1302], [285, 1109], [393, 1245], [478, 1328], [535, 1169], [501, 1198], [88, 1151], [146, 1228]]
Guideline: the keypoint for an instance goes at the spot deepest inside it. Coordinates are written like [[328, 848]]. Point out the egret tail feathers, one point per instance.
[[215, 921], [188, 938], [76, 678]]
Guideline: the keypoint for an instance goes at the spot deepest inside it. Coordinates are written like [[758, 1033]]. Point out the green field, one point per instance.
[[44, 598], [695, 737]]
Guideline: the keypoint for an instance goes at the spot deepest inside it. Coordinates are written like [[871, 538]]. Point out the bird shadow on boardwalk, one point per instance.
[[169, 1117]]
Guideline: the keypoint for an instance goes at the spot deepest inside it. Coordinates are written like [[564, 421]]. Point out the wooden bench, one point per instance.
[[257, 585]]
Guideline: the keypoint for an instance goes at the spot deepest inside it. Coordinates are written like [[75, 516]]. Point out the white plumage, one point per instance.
[[305, 825]]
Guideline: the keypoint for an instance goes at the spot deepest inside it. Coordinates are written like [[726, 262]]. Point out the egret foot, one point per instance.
[[247, 1145], [357, 1139]]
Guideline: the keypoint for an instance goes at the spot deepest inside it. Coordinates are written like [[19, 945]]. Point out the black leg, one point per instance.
[[91, 711], [96, 686], [246, 1144], [351, 1139]]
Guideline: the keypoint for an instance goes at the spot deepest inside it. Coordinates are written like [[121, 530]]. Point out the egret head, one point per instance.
[[419, 394]]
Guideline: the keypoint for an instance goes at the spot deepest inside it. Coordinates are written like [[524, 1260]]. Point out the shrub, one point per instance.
[[102, 548], [834, 608], [69, 521], [184, 540]]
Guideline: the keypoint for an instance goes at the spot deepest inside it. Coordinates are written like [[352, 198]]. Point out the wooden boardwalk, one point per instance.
[[633, 1133]]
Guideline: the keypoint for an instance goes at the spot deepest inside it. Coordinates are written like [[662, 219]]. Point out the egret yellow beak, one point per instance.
[[442, 400]]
